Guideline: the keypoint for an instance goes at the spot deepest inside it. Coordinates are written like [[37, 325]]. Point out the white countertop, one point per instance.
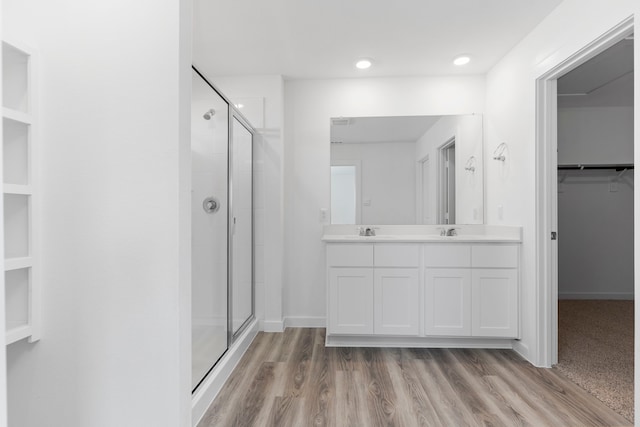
[[424, 234]]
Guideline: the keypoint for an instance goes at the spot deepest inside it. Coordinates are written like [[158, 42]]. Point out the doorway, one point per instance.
[[585, 178], [447, 183]]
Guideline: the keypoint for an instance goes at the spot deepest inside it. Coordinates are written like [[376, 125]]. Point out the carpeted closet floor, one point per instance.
[[595, 350]]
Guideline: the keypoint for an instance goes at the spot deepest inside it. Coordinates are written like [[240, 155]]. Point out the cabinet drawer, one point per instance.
[[447, 255], [396, 255], [494, 256], [350, 255]]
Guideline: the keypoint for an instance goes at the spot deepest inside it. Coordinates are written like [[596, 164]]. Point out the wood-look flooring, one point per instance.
[[292, 379]]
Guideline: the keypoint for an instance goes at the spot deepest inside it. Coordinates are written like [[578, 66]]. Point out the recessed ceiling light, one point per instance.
[[364, 63], [462, 60]]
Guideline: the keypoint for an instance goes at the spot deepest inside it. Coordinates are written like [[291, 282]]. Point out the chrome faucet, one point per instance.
[[447, 231], [367, 231]]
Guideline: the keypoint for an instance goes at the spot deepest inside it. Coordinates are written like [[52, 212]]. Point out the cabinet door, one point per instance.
[[495, 303], [350, 300], [447, 293], [396, 301]]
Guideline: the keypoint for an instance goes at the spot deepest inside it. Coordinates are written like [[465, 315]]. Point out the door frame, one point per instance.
[[547, 190], [420, 210], [443, 195]]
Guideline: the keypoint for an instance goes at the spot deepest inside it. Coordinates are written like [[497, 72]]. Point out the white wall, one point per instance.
[[114, 122], [467, 131], [600, 135], [595, 242], [388, 171], [268, 189], [510, 117], [308, 107], [3, 351]]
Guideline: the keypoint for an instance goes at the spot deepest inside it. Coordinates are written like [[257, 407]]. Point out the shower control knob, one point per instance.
[[210, 205]]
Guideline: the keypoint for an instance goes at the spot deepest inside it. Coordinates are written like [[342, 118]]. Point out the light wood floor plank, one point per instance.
[[291, 379], [351, 400]]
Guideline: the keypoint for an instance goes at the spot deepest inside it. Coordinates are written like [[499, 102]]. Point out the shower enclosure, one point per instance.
[[222, 226]]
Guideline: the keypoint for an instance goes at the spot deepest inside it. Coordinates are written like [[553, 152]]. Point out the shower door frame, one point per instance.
[[232, 337]]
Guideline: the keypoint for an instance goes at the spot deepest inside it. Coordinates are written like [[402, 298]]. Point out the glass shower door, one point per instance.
[[209, 194], [241, 225]]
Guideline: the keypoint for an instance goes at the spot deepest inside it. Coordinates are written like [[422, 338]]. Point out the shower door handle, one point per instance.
[[210, 205]]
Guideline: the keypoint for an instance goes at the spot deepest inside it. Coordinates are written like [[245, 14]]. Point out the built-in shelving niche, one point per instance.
[[20, 195]]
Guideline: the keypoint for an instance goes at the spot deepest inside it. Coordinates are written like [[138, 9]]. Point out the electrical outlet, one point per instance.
[[324, 215], [500, 213]]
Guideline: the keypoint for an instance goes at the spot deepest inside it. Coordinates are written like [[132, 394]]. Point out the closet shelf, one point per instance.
[[16, 116], [618, 167], [17, 263]]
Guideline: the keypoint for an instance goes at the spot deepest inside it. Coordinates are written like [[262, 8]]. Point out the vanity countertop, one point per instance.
[[424, 234]]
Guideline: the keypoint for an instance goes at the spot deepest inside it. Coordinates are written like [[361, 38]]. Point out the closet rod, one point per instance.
[[618, 167]]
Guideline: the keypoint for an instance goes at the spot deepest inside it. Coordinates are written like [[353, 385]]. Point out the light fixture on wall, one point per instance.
[[462, 60], [498, 153], [471, 164], [364, 63]]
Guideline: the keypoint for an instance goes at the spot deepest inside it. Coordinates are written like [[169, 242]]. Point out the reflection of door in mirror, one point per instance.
[[426, 200], [447, 187], [345, 192]]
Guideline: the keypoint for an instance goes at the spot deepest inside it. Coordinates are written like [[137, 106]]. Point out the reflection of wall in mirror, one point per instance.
[[467, 130], [386, 198]]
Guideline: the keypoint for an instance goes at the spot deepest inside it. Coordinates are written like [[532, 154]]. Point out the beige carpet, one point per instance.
[[595, 350]]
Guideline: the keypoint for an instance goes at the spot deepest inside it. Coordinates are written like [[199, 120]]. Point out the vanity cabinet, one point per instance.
[[421, 293], [396, 301], [351, 301], [373, 289], [475, 294], [447, 302]]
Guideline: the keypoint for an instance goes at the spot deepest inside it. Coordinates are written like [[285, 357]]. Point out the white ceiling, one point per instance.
[[302, 39], [382, 129]]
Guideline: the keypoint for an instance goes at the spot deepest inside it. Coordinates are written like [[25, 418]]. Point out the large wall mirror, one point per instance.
[[407, 170]]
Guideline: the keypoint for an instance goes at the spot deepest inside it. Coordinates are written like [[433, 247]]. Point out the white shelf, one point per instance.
[[17, 116], [16, 80], [25, 190], [20, 192], [17, 226], [17, 263], [17, 331], [16, 149]]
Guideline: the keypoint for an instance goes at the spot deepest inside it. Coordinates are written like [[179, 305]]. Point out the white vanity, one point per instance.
[[409, 286]]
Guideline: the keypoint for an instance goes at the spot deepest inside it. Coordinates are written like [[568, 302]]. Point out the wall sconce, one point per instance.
[[471, 164], [498, 154]]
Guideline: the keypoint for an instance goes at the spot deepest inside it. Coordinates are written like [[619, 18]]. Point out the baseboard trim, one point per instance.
[[523, 350], [305, 322], [417, 342], [209, 389], [597, 295], [272, 325]]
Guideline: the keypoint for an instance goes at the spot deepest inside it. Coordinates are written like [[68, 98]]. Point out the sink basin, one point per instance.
[[364, 238]]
